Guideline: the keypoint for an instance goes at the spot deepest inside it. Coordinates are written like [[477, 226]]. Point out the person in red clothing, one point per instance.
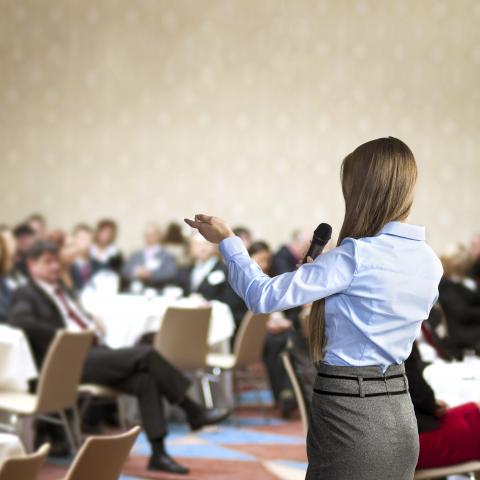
[[447, 435]]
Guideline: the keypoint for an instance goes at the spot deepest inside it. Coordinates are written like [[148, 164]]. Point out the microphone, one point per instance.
[[321, 236]]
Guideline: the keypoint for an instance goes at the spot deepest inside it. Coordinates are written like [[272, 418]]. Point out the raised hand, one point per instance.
[[213, 229]]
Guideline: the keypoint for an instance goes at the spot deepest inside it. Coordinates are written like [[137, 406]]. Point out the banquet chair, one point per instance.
[[57, 386], [186, 352], [88, 391], [247, 349], [102, 457], [471, 469], [24, 467], [297, 390], [183, 340]]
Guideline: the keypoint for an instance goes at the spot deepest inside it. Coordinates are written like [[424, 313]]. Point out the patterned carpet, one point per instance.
[[252, 445]]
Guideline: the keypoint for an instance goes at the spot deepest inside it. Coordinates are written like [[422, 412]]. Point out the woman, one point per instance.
[[379, 284], [261, 254], [104, 250], [447, 435], [82, 267], [176, 244]]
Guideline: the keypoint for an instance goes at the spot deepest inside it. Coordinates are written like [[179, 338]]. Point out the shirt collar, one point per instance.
[[406, 230], [207, 264], [46, 287], [152, 250]]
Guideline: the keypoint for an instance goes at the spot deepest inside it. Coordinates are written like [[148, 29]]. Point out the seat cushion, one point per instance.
[[98, 390], [18, 402], [224, 361], [441, 472]]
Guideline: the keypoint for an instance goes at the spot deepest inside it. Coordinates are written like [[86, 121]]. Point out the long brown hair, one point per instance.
[[378, 181]]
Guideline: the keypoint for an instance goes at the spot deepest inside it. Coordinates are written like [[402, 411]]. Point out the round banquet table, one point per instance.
[[17, 366], [10, 446], [127, 316], [456, 382]]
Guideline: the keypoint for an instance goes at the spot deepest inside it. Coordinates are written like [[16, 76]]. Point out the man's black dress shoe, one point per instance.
[[165, 463], [208, 416]]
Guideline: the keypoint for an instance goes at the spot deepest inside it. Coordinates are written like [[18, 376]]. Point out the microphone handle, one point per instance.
[[314, 251]]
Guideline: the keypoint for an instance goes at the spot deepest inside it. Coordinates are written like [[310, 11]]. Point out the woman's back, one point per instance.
[[376, 319]]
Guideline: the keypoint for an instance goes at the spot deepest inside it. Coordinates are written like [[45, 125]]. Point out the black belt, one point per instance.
[[327, 375], [361, 379], [343, 394]]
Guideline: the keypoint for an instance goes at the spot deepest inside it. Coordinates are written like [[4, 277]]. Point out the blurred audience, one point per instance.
[[24, 236], [474, 247], [104, 250], [207, 276], [460, 299], [60, 263], [289, 256], [152, 266], [280, 329], [38, 223], [245, 234], [286, 260], [83, 267], [176, 244], [7, 284], [261, 254], [43, 306], [447, 435]]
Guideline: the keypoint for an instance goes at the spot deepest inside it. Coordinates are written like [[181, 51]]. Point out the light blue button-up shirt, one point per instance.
[[378, 290]]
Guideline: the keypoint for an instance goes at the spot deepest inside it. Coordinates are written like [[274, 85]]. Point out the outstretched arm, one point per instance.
[[329, 274]]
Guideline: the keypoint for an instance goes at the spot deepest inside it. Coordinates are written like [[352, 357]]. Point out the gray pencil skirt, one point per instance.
[[362, 427]]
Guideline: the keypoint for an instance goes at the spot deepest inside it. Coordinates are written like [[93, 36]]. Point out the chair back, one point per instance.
[[250, 339], [25, 467], [183, 337], [102, 457], [61, 370], [297, 389]]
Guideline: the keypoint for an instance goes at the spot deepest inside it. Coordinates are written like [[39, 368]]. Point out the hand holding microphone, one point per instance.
[[321, 236]]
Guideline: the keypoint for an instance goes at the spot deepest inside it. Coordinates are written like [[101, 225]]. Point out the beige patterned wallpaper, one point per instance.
[[155, 109]]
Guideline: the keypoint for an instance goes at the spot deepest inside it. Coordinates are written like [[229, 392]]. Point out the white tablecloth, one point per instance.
[[10, 446], [127, 317], [16, 361], [457, 382]]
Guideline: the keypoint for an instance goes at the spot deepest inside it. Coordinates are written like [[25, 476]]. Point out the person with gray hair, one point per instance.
[[152, 266]]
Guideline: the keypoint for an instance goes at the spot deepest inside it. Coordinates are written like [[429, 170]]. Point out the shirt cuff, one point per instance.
[[231, 246]]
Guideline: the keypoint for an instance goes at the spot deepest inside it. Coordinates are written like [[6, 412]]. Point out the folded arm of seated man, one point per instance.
[[44, 306]]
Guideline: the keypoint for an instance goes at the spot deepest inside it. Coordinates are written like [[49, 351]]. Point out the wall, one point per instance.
[[159, 109]]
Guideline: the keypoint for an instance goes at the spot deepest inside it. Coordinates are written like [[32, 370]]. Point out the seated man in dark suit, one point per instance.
[[43, 306], [208, 277]]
